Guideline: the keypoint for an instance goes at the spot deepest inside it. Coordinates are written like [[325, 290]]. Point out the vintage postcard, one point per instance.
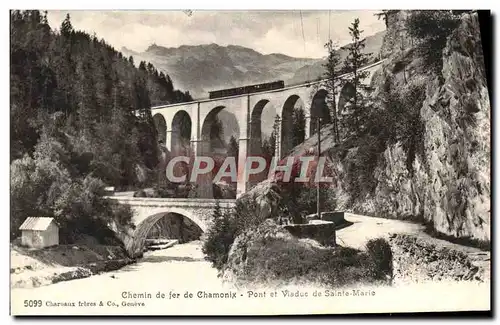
[[291, 162]]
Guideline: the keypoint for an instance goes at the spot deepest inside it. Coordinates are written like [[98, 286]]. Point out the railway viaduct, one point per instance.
[[199, 116]]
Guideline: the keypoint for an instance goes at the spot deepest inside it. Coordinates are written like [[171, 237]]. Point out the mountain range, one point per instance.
[[203, 68]]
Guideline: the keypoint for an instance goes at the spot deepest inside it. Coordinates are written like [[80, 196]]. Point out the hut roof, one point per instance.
[[36, 223]]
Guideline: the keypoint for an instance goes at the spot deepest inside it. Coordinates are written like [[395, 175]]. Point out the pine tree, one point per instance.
[[268, 146], [299, 126], [233, 147], [66, 26], [217, 131], [384, 14], [66, 68], [220, 237], [332, 83], [85, 93], [356, 59]]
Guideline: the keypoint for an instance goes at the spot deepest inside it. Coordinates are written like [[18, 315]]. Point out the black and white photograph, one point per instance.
[[250, 162]]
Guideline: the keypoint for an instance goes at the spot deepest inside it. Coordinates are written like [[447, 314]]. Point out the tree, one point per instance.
[[217, 133], [268, 146], [332, 82], [66, 26], [86, 95], [357, 109], [220, 237], [233, 147], [276, 133], [431, 29], [65, 68], [299, 129], [385, 14]]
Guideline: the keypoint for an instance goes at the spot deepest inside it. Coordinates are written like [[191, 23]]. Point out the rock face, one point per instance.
[[447, 184], [395, 36], [450, 185]]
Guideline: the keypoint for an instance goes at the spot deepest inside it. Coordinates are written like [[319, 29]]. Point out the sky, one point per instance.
[[294, 33]]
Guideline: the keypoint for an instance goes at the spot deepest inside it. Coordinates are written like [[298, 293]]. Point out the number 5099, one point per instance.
[[32, 303]]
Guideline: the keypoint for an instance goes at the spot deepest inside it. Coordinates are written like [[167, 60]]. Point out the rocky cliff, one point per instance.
[[444, 179], [450, 183]]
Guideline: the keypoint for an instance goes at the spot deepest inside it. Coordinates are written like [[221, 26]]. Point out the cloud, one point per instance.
[[293, 33]]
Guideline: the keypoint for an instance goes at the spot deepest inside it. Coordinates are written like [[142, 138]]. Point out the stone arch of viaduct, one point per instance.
[[247, 109]]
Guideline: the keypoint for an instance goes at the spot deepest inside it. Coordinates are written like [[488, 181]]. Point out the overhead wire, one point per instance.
[[302, 26], [329, 37], [304, 39], [317, 29]]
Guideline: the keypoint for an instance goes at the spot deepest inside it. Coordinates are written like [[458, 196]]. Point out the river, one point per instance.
[[181, 266]]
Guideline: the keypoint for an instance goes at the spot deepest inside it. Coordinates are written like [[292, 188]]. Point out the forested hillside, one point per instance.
[[73, 123]]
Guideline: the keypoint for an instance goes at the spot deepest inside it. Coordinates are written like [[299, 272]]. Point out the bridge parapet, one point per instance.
[[168, 202]]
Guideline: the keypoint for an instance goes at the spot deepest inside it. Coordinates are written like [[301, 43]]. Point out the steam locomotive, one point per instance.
[[247, 89]]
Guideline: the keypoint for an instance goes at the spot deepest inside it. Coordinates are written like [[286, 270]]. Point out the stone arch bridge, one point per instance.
[[199, 116], [148, 211]]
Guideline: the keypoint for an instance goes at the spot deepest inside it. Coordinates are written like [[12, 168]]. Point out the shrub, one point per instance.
[[431, 28], [345, 266], [43, 187], [35, 186], [304, 200], [380, 254], [140, 193], [219, 238], [484, 245], [227, 225], [246, 214]]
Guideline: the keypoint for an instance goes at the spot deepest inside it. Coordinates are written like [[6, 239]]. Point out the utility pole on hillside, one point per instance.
[[318, 189]]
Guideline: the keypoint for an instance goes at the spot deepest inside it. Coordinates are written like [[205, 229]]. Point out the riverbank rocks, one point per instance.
[[33, 268], [417, 260], [78, 273]]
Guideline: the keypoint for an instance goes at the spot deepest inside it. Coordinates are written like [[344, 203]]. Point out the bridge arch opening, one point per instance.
[[217, 130], [346, 97], [319, 108], [161, 128], [262, 129], [220, 134], [180, 225], [181, 134], [262, 136], [293, 121]]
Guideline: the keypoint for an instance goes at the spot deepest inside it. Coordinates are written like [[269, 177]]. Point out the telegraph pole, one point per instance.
[[318, 189]]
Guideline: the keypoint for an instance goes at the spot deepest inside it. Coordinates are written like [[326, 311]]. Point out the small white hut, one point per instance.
[[39, 232]]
